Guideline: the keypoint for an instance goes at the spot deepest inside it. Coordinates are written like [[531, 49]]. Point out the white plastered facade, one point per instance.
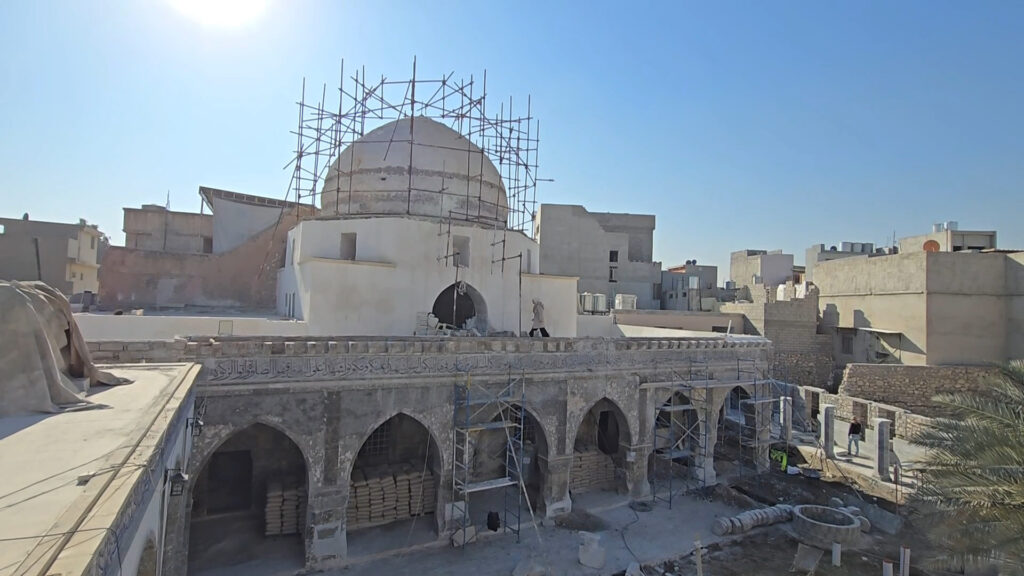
[[399, 269]]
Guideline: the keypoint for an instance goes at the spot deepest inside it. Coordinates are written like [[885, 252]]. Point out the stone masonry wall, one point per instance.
[[912, 387]]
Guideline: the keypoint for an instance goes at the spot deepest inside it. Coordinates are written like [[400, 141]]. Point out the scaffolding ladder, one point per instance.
[[473, 411], [678, 436]]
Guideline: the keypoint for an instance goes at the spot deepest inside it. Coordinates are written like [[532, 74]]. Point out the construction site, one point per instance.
[[398, 412]]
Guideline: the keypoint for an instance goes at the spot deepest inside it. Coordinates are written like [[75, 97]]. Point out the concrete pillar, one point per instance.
[[828, 430], [786, 419], [175, 552], [556, 485], [883, 452], [636, 471]]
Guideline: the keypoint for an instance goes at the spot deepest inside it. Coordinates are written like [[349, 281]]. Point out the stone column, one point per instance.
[[636, 471], [175, 552], [883, 444], [704, 458], [763, 429], [326, 534], [828, 430], [556, 485], [786, 419]]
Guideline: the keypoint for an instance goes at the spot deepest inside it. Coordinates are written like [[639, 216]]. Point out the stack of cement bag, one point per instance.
[[385, 494], [592, 470], [751, 519], [285, 510]]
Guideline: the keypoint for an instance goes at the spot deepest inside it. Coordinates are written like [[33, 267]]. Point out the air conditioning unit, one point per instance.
[[625, 301], [600, 303], [586, 304]]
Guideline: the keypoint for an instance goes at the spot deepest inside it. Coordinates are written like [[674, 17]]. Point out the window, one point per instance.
[[848, 344], [92, 242], [207, 245], [460, 251], [377, 443], [613, 274], [613, 255], [2, 229], [348, 246]]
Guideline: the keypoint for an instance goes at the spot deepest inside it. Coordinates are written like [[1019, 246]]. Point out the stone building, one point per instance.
[[801, 354], [327, 420], [947, 237], [610, 253], [65, 256]]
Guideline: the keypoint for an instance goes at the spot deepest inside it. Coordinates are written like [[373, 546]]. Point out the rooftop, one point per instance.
[[68, 476]]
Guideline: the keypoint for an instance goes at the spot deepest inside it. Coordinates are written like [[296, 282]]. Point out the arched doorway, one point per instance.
[[599, 450], [462, 307], [249, 502], [678, 443], [734, 426], [490, 459], [393, 488]]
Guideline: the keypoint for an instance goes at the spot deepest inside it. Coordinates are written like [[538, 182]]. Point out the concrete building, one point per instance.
[[177, 259], [689, 287], [87, 491], [947, 237], [64, 256], [750, 268], [818, 253], [609, 253], [925, 308], [158, 229]]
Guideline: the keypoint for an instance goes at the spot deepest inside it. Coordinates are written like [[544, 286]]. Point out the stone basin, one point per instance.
[[821, 526]]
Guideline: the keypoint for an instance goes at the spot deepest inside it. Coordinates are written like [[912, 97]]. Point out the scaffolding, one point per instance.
[[473, 409], [679, 436], [755, 428], [510, 140]]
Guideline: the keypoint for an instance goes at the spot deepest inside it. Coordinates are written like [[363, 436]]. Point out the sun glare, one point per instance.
[[221, 13]]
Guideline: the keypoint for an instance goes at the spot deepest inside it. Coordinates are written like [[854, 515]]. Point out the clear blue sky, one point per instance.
[[740, 125]]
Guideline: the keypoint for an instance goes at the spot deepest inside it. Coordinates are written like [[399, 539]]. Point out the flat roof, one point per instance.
[[43, 455]]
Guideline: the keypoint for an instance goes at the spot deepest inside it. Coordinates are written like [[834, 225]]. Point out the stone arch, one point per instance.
[[252, 481], [536, 451], [462, 306], [395, 482], [149, 560], [600, 444], [608, 404], [200, 456], [676, 442]]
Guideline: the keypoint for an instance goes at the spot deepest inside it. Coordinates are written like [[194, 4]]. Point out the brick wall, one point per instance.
[[912, 387]]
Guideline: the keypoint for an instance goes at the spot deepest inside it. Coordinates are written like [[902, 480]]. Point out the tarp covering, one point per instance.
[[44, 361]]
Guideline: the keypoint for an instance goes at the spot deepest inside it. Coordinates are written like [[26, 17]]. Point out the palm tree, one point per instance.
[[972, 479]]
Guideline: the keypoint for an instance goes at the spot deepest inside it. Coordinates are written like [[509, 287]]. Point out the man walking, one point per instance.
[[853, 438], [538, 319]]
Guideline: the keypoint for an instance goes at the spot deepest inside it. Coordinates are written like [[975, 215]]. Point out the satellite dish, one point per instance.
[[931, 246]]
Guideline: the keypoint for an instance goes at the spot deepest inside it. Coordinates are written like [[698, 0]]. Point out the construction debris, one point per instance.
[[752, 519]]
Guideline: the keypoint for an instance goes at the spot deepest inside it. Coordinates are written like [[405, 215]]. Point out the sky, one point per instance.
[[771, 125]]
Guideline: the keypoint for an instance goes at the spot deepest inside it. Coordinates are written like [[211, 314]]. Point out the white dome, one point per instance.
[[451, 176]]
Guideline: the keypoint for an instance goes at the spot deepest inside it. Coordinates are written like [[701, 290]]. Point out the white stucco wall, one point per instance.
[[236, 222], [397, 274]]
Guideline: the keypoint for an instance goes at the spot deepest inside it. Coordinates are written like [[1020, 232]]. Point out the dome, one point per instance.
[[451, 176]]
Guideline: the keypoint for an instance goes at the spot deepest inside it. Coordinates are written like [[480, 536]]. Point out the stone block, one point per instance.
[[591, 553], [112, 346], [289, 348]]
